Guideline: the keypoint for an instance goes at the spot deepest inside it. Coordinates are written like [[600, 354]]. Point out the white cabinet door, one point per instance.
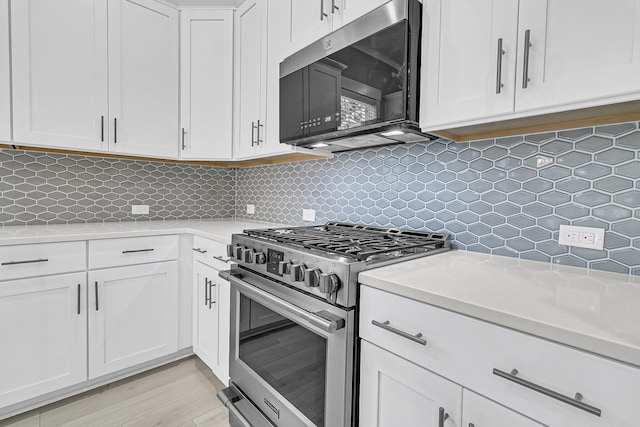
[[143, 78], [206, 84], [133, 315], [478, 411], [581, 50], [5, 72], [395, 392], [212, 305], [251, 48], [462, 62], [354, 9], [205, 324], [59, 60], [43, 330], [310, 20]]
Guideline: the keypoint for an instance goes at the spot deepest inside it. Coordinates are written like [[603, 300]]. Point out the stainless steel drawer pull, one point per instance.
[[200, 251], [575, 402], [442, 417], [415, 338], [211, 300], [137, 250], [206, 292], [219, 258], [97, 305], [31, 261]]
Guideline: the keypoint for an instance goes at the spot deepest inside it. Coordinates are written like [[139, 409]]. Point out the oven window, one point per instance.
[[289, 357]]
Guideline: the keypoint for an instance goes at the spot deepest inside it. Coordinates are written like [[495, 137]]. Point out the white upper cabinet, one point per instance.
[[5, 72], [251, 61], [143, 78], [206, 89], [59, 60], [96, 75], [580, 51], [489, 60], [470, 51]]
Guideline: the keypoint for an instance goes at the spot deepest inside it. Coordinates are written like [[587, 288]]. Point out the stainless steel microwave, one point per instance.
[[357, 87]]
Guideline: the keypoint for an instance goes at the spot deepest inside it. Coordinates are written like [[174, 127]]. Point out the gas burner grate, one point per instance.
[[354, 241]]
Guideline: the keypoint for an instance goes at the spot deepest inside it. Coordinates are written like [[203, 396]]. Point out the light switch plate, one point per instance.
[[581, 237], [308, 214], [251, 209], [140, 209]]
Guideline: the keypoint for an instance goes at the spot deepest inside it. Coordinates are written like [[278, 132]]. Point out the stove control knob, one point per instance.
[[329, 283], [260, 258], [238, 252], [297, 272], [284, 267], [312, 277], [247, 255]]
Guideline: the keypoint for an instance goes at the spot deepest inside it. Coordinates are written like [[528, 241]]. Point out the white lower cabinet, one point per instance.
[[211, 323], [479, 411], [133, 315], [43, 325], [395, 392]]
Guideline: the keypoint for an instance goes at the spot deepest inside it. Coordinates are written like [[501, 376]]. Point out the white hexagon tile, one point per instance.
[[504, 196]]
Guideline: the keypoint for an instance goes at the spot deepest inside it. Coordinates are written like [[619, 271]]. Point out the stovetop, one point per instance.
[[356, 242], [325, 260]]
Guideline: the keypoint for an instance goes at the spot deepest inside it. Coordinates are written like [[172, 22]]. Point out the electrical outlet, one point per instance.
[[251, 209], [139, 209], [308, 215], [581, 237]]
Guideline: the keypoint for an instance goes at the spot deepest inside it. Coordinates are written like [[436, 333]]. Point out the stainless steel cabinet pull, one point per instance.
[[115, 131], [258, 140], [211, 300], [97, 306], [442, 417], [78, 298], [206, 291], [30, 261], [253, 128], [200, 250], [499, 65], [133, 251], [183, 132], [575, 402], [525, 66], [333, 6], [102, 128], [385, 325], [322, 14], [219, 258]]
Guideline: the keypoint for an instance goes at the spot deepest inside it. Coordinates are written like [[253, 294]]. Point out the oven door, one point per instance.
[[291, 355]]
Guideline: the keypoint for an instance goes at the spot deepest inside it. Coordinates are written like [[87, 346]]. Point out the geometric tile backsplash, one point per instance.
[[39, 188], [505, 196]]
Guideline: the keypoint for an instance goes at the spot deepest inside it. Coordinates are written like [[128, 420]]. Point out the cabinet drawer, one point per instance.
[[132, 250], [211, 253], [468, 350], [42, 259]]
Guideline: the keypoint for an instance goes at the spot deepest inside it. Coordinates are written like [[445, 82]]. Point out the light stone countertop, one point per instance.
[[216, 229], [588, 309]]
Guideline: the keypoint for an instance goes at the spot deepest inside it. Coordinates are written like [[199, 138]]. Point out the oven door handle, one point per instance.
[[324, 320]]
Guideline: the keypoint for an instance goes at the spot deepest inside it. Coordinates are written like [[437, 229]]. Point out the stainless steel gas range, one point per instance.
[[294, 296]]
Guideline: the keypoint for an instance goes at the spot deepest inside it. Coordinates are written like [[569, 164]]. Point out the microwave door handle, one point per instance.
[[324, 320]]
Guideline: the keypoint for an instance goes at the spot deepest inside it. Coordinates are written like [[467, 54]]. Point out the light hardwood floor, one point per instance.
[[181, 394]]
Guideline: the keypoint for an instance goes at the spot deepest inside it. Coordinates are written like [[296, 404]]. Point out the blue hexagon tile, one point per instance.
[[504, 196]]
